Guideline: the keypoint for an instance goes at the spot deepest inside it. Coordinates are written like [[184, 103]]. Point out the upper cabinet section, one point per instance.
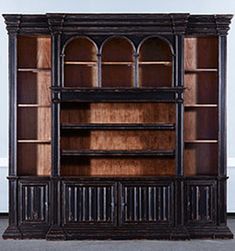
[[118, 63]]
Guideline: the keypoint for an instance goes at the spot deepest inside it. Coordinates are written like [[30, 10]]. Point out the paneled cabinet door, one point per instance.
[[88, 203], [201, 202], [146, 203], [33, 199]]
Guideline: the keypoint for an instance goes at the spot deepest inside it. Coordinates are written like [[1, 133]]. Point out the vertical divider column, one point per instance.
[[179, 181], [222, 137], [13, 231], [56, 230]]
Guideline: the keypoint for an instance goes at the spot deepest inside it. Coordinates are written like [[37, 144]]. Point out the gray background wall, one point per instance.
[[114, 6]]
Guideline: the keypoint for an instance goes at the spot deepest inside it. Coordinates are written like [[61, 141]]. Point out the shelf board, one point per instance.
[[34, 141], [117, 63], [118, 126], [80, 63], [201, 70], [33, 105], [200, 105], [34, 70], [117, 153], [167, 94], [201, 141], [166, 63]]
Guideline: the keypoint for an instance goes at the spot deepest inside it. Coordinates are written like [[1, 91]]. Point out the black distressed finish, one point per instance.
[[174, 207]]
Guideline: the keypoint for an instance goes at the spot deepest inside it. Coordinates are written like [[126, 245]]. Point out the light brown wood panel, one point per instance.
[[34, 123], [119, 140], [34, 159], [34, 52], [155, 75], [34, 88], [201, 123], [155, 49], [201, 88], [117, 76], [80, 76], [118, 113], [80, 49], [118, 167], [200, 52], [117, 49], [201, 159]]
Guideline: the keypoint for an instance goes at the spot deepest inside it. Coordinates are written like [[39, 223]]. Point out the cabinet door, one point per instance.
[[200, 202], [33, 199], [146, 203], [88, 203]]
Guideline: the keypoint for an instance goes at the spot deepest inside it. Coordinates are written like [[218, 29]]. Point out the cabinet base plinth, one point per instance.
[[12, 232], [56, 233]]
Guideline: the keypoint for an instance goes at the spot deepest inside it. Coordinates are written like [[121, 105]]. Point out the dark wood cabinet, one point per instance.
[[117, 126]]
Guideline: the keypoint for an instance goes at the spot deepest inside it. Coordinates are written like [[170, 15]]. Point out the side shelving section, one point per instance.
[[33, 105]]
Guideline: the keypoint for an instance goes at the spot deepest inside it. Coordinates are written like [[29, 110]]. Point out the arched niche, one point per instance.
[[117, 63], [80, 63], [155, 63]]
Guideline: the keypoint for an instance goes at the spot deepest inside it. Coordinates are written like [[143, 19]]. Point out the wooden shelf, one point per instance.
[[118, 95], [201, 70], [33, 106], [34, 70], [117, 153], [80, 62], [34, 141], [200, 105], [117, 126], [201, 141], [117, 63], [166, 63]]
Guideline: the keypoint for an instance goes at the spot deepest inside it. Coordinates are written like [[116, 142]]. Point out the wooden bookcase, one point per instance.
[[117, 126]]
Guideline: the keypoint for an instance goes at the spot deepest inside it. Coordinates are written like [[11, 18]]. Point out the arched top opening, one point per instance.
[[81, 49], [117, 49], [155, 49]]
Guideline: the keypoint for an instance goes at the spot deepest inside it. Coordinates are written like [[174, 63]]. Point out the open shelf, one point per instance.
[[201, 159], [201, 123], [118, 140], [34, 123], [117, 153], [34, 87], [117, 166], [34, 159], [144, 113]]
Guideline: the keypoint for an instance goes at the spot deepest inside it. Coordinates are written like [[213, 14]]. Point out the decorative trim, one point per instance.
[[107, 24]]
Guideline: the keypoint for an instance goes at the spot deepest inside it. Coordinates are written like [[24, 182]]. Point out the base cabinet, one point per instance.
[[121, 209]]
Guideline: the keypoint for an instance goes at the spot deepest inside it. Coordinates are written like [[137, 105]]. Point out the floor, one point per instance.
[[134, 245]]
